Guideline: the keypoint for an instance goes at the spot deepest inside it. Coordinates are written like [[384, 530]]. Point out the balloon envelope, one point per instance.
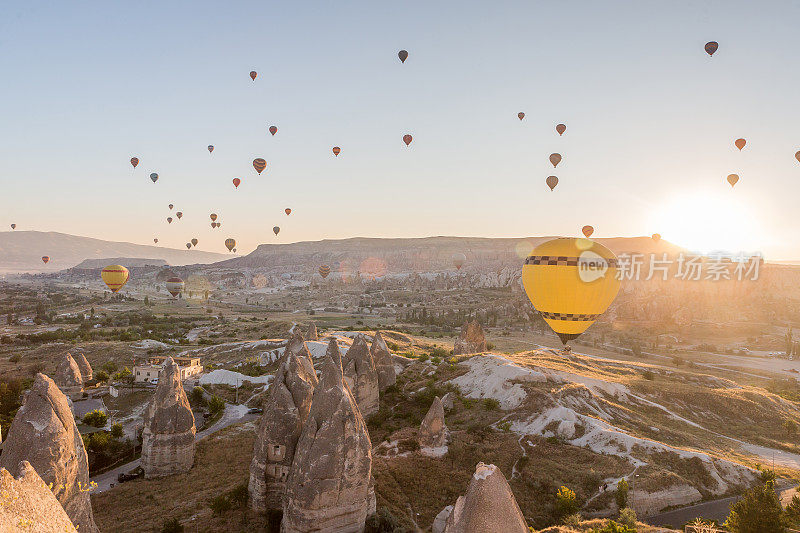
[[656, 237], [587, 231], [551, 181], [458, 260], [259, 164], [740, 143], [520, 115], [403, 55], [561, 128], [571, 282], [175, 286], [229, 244], [188, 245], [733, 179], [288, 211], [210, 148], [115, 277], [46, 259], [324, 270], [134, 161], [154, 177], [407, 139], [273, 130], [253, 75], [236, 182], [155, 241], [555, 159], [797, 156], [213, 216], [171, 206], [13, 226], [711, 47], [179, 215], [169, 220], [194, 242], [336, 150], [276, 230]]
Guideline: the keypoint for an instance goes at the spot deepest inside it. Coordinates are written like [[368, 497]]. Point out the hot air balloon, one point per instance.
[[175, 286], [259, 164], [218, 224], [13, 226], [324, 270], [571, 282], [188, 245], [213, 216], [732, 179], [234, 250], [134, 161], [155, 241], [587, 231], [458, 260], [711, 47], [169, 220], [797, 155], [236, 182], [403, 55], [170, 207], [253, 75], [115, 277], [179, 215], [740, 143], [555, 159], [229, 244], [656, 237], [210, 148], [273, 130], [276, 230], [194, 242], [551, 181], [561, 128], [154, 177], [336, 150], [288, 211], [520, 115], [407, 139], [46, 259], [213, 224]]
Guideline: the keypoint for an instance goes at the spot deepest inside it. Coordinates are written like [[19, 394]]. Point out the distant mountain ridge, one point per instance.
[[22, 251]]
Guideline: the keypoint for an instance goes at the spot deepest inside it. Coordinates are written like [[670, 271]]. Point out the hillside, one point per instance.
[[22, 251]]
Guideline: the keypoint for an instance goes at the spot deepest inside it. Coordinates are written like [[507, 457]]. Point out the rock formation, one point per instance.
[[330, 485], [311, 332], [28, 506], [168, 436], [488, 506], [471, 340], [285, 412], [433, 433], [384, 362], [83, 366], [361, 376], [297, 346], [68, 378], [44, 434]]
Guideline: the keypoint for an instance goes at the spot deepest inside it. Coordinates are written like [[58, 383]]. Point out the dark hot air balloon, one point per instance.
[[194, 242], [276, 230], [213, 216], [13, 226], [551, 181], [253, 75], [739, 143], [336, 150], [288, 211], [188, 245], [170, 207], [236, 182], [234, 250], [210, 148], [46, 259], [520, 115], [155, 241], [561, 128], [169, 220], [587, 231], [733, 179], [134, 161], [555, 159], [407, 139], [259, 164], [273, 130], [229, 244], [179, 215], [154, 177], [403, 55], [711, 47], [797, 155]]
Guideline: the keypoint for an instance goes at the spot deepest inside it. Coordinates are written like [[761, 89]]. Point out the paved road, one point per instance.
[[232, 415]]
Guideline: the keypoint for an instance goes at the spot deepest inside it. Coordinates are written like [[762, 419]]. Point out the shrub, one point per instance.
[[758, 511], [96, 418], [239, 495], [117, 431], [573, 520], [621, 496], [172, 526], [649, 375], [491, 404], [101, 376], [613, 527], [220, 504], [383, 522], [216, 404], [627, 517], [566, 502]]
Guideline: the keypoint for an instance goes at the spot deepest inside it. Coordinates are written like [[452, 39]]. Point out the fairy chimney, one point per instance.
[[28, 506], [471, 340], [285, 411], [297, 346], [311, 332], [361, 376], [44, 434], [488, 505], [433, 433], [384, 362], [168, 436], [83, 366], [68, 378], [330, 484]]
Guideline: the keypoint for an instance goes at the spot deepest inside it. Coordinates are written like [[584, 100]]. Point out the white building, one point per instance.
[[148, 372]]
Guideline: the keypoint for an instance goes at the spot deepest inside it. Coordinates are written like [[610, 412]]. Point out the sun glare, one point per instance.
[[706, 222]]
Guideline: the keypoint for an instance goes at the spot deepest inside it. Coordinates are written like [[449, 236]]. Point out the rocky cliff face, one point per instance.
[[488, 506], [384, 363], [471, 340], [44, 434], [28, 506], [361, 376], [168, 436], [330, 485], [83, 366], [68, 377], [285, 412]]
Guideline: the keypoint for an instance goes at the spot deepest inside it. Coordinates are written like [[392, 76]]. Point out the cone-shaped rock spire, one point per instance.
[[488, 505], [68, 377], [361, 376], [384, 362], [28, 506]]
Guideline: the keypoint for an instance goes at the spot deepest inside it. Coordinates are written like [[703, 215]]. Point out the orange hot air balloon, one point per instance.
[[587, 231], [169, 220], [46, 259], [13, 226], [561, 128], [236, 182], [336, 150], [115, 277], [711, 47], [276, 230], [188, 245], [155, 241], [407, 139], [230, 244], [259, 164], [555, 159], [403, 55], [324, 270], [253, 75], [797, 155], [134, 161], [551, 181], [179, 215], [213, 216], [210, 148], [732, 179], [520, 115], [170, 207], [288, 211], [194, 242], [273, 130], [740, 143], [656, 237], [213, 224]]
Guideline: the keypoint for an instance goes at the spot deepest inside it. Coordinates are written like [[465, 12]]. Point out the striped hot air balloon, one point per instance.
[[324, 270], [45, 259], [230, 244], [175, 286], [115, 277], [134, 161], [336, 150], [259, 164]]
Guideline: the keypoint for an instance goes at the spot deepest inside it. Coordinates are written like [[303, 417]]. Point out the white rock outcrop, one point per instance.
[[384, 362], [361, 376]]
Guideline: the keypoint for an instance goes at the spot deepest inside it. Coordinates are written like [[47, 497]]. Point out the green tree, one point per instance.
[[117, 431], [101, 376], [793, 511], [621, 496], [759, 510], [566, 502], [96, 418], [216, 404]]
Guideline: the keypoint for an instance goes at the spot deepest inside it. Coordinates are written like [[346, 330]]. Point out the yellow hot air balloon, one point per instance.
[[115, 277], [571, 282], [229, 244]]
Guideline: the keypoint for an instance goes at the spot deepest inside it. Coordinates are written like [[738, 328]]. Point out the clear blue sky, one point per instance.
[[651, 119]]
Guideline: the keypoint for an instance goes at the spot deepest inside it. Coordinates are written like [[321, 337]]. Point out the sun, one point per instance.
[[709, 221]]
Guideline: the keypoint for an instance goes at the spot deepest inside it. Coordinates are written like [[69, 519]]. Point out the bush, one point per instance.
[[239, 495], [573, 520], [613, 527], [491, 404], [758, 511], [649, 375], [101, 376], [117, 431], [383, 522], [96, 418], [216, 404], [220, 504], [172, 526], [627, 517], [621, 496], [566, 502]]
